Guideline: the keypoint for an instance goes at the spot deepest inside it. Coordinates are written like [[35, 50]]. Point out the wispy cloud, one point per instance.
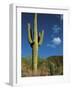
[[60, 16], [51, 45], [56, 29]]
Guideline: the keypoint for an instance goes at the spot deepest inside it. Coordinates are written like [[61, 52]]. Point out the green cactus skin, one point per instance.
[[35, 41]]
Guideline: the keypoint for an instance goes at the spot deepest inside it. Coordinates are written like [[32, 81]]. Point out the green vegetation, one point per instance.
[[52, 65]]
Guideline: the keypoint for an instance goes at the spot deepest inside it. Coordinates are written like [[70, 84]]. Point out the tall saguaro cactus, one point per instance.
[[35, 40]]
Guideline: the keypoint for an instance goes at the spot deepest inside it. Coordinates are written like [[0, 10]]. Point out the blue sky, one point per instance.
[[52, 24]]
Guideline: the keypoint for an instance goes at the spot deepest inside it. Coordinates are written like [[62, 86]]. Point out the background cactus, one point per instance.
[[35, 40]]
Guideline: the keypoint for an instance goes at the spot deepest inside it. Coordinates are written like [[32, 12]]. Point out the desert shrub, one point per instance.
[[55, 64]]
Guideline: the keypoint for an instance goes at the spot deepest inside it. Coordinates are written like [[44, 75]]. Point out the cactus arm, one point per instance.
[[29, 34], [41, 34]]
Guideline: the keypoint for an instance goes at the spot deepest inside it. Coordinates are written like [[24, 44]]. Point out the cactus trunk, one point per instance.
[[35, 40], [35, 46], [34, 58]]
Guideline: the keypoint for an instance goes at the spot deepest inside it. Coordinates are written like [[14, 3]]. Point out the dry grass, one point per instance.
[[47, 67]]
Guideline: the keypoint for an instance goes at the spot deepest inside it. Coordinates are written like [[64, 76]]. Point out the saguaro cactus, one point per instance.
[[35, 40]]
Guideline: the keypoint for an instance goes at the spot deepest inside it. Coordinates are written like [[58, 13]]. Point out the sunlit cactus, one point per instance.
[[35, 40]]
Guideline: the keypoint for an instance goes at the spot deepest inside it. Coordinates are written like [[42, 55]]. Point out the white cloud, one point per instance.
[[56, 40]]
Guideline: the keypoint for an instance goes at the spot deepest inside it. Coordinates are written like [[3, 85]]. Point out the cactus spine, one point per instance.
[[35, 40]]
